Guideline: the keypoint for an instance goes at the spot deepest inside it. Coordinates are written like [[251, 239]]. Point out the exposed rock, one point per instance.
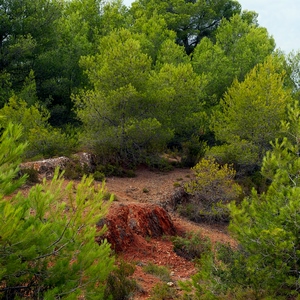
[[128, 223], [86, 160], [46, 167]]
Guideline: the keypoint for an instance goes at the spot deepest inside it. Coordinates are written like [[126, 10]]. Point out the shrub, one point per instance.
[[159, 271], [99, 176], [43, 139], [32, 175], [158, 163], [162, 291], [213, 182], [118, 285], [73, 170], [192, 246], [211, 189]]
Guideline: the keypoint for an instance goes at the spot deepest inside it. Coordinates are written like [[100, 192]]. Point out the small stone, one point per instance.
[[170, 284]]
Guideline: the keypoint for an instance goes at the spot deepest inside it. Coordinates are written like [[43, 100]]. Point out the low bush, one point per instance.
[[32, 175], [99, 176], [119, 285], [159, 271], [162, 291], [192, 246], [73, 170], [158, 163], [211, 189]]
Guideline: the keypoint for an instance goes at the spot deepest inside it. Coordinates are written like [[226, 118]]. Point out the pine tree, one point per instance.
[[47, 238], [267, 225]]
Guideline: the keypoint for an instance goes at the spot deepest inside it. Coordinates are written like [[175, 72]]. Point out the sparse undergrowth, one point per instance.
[[159, 271], [162, 291], [192, 245], [119, 284]]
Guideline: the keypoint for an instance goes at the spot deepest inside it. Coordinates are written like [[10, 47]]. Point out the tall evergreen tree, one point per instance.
[[249, 115]]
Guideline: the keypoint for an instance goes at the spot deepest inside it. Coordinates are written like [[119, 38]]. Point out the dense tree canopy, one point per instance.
[[166, 64], [249, 115], [191, 20]]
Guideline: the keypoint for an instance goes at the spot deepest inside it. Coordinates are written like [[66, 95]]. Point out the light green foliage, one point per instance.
[[117, 117], [210, 190], [244, 44], [191, 20], [249, 114], [114, 16], [238, 47], [48, 247], [10, 154], [213, 182], [42, 138], [179, 92], [210, 59], [267, 225], [154, 33], [171, 53]]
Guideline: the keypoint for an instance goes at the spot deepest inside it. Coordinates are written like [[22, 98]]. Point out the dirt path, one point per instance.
[[158, 188]]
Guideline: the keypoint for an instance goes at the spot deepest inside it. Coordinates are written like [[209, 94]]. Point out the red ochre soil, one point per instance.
[[141, 221]]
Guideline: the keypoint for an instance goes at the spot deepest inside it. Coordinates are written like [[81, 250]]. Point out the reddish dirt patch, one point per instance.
[[139, 227], [128, 223]]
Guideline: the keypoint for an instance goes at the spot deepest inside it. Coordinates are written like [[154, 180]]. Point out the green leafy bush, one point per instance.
[[44, 140], [192, 246], [158, 163], [99, 176], [212, 187]]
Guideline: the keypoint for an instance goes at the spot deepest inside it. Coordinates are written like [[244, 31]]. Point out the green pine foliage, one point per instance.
[[249, 114], [47, 244], [266, 263], [267, 225]]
